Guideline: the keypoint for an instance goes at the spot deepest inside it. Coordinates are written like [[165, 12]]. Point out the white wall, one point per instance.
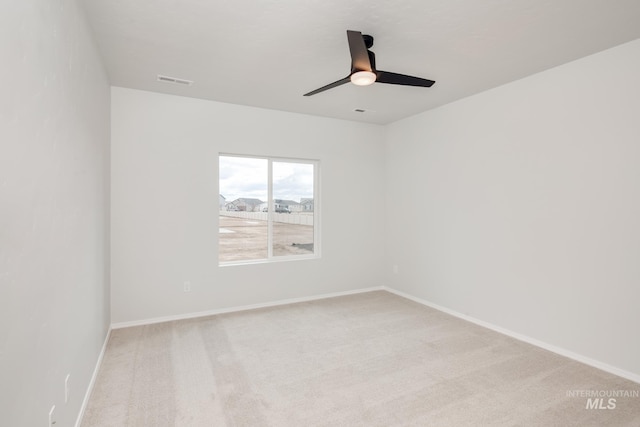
[[522, 206], [164, 226], [54, 145]]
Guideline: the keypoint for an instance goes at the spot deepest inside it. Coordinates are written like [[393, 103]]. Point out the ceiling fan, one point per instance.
[[363, 67]]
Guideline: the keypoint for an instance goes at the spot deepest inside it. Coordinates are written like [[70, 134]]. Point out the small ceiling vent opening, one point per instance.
[[174, 80], [359, 110]]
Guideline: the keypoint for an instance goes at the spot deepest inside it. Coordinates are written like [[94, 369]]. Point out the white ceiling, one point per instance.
[[268, 53]]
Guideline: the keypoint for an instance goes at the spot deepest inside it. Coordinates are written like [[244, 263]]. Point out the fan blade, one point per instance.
[[359, 54], [329, 86], [401, 79]]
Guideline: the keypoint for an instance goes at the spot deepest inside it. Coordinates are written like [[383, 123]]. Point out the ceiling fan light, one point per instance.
[[363, 78]]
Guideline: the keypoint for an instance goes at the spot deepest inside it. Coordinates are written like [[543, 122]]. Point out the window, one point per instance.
[[268, 209]]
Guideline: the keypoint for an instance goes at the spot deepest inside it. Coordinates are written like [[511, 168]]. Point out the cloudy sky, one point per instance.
[[247, 177]]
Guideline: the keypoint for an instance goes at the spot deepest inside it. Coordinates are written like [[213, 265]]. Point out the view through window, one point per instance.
[[266, 209]]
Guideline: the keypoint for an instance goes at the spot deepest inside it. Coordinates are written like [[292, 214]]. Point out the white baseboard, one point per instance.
[[558, 350], [239, 308], [87, 395]]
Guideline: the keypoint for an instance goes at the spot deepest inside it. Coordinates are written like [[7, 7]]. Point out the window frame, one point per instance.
[[271, 211]]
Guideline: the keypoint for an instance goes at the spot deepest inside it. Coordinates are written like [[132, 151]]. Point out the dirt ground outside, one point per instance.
[[243, 239]]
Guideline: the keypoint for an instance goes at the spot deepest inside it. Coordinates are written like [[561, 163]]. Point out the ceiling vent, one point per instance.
[[174, 80]]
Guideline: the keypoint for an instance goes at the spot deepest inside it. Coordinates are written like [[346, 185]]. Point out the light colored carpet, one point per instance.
[[372, 359]]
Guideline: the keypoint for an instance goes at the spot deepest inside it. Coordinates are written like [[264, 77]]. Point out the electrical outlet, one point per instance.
[[66, 388], [395, 268], [52, 420], [187, 286]]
